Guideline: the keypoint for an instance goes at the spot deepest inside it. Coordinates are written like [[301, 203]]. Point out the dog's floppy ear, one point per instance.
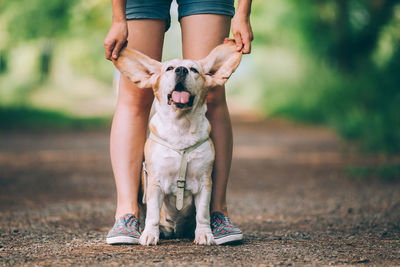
[[221, 63], [139, 68]]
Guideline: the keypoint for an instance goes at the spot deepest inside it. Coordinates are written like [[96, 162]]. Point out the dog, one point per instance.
[[179, 153]]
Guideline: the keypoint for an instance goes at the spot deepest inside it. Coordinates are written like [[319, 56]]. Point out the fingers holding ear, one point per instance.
[[242, 44], [115, 39], [108, 48], [117, 48], [238, 40], [241, 30], [247, 40], [246, 44]]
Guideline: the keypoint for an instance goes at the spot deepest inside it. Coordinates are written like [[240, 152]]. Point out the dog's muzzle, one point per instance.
[[180, 96]]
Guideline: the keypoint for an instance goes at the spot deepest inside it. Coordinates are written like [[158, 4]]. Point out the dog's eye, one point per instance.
[[194, 70], [169, 68]]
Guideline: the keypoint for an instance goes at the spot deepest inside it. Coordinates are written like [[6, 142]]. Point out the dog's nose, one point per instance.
[[181, 71]]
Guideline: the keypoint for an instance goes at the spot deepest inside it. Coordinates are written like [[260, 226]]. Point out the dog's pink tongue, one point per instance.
[[180, 97]]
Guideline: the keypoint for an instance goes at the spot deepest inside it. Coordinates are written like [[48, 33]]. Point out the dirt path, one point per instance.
[[288, 192]]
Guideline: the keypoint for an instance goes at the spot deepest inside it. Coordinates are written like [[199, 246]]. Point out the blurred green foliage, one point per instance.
[[333, 62], [19, 118], [349, 56], [41, 39], [36, 19]]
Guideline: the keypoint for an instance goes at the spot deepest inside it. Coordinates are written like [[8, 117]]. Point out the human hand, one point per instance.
[[242, 32], [115, 39]]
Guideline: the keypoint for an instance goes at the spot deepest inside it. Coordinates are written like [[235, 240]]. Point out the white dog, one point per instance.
[[179, 153]]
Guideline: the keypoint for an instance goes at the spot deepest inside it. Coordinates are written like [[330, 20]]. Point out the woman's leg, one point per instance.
[[128, 131], [200, 34]]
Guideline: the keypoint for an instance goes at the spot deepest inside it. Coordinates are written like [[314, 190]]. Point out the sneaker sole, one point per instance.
[[122, 240], [228, 239]]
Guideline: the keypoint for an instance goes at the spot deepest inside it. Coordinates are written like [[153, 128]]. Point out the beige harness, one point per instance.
[[181, 180]]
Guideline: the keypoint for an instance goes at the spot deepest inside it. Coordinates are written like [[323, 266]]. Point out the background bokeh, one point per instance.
[[331, 62], [315, 177]]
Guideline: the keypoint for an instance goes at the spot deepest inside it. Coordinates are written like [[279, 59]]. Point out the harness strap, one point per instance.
[[144, 174], [181, 180]]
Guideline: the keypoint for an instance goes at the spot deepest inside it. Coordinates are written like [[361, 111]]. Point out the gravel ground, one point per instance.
[[288, 192]]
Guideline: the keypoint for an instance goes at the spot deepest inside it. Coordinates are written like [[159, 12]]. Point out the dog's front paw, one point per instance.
[[149, 237], [204, 237]]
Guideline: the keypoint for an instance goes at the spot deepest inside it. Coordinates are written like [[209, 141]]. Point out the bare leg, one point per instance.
[[200, 34], [128, 131]]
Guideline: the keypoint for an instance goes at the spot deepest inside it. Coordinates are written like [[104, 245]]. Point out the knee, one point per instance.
[[216, 98], [136, 101]]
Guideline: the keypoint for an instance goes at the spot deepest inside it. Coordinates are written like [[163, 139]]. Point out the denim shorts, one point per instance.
[[159, 9]]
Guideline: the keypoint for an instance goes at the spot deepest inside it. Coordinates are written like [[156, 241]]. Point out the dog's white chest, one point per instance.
[[165, 164]]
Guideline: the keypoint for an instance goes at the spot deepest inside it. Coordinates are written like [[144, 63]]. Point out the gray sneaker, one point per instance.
[[124, 231]]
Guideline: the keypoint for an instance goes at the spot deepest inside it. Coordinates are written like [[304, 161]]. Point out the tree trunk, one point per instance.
[[45, 59]]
